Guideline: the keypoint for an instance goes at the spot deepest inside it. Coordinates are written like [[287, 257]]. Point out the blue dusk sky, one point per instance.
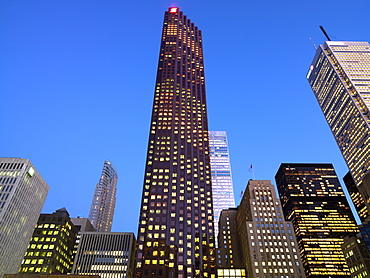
[[77, 83]]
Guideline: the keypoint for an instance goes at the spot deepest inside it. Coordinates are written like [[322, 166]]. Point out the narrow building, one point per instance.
[[222, 183], [82, 225], [104, 199], [230, 253]]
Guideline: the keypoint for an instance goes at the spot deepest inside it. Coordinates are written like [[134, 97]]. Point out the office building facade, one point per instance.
[[109, 255], [222, 183], [357, 256], [229, 251], [340, 79], [104, 199], [50, 250], [313, 199], [267, 239], [82, 225], [357, 199], [176, 232], [21, 188]]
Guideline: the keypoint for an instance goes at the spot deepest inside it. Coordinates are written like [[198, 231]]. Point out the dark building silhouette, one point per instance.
[[356, 197], [82, 225], [50, 250], [313, 199], [176, 233], [230, 253]]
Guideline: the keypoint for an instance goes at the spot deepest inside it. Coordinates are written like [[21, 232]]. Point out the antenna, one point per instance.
[[314, 45], [326, 35]]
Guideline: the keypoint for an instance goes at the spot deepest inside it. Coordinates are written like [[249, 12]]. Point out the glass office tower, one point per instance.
[[313, 199], [104, 200], [222, 183], [176, 233], [340, 79]]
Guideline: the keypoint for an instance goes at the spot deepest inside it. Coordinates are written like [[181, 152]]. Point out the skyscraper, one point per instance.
[[313, 199], [104, 200], [176, 233], [268, 242], [50, 249], [340, 79], [22, 195], [222, 183]]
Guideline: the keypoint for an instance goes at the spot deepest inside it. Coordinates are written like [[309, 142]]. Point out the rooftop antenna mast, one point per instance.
[[326, 35]]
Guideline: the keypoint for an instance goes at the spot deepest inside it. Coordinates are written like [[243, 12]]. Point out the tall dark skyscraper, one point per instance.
[[176, 233], [313, 199]]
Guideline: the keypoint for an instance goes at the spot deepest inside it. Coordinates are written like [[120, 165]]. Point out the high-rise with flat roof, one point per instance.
[[82, 225], [176, 232], [268, 242], [22, 195], [50, 250], [104, 199], [222, 183], [313, 199], [109, 255], [340, 79], [230, 255]]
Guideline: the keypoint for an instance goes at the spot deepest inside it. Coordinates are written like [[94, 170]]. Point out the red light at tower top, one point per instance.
[[174, 10]]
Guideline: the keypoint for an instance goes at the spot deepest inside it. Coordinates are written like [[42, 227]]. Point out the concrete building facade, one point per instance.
[[109, 255], [21, 188], [268, 241]]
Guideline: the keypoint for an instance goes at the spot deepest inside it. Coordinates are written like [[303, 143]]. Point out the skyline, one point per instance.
[[55, 97]]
